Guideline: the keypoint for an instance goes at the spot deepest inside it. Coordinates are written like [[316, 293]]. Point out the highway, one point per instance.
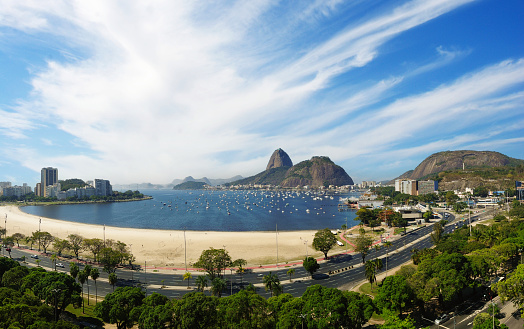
[[346, 270]]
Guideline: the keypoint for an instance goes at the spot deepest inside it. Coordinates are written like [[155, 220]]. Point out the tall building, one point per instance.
[[103, 187], [49, 177], [406, 186], [427, 186], [519, 189]]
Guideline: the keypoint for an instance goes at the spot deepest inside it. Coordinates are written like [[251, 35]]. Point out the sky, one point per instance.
[[151, 91]]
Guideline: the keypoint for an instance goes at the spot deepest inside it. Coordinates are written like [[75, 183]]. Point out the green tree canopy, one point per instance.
[[324, 240], [214, 261], [117, 306], [310, 265]]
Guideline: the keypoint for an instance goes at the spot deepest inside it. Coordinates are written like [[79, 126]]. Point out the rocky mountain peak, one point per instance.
[[279, 158]]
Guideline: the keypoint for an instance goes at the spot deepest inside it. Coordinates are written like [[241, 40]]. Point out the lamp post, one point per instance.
[[231, 283], [185, 249], [306, 247], [39, 223], [276, 234]]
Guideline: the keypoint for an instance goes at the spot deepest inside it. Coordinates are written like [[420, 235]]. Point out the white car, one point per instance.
[[441, 319], [34, 256], [60, 265]]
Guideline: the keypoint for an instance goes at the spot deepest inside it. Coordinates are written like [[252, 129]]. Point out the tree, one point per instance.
[[110, 258], [394, 294], [310, 265], [60, 245], [87, 270], [94, 246], [324, 240], [485, 321], [201, 282], [73, 270], [187, 276], [112, 280], [18, 237], [45, 239], [272, 283], [82, 277], [437, 234], [54, 259], [94, 275], [55, 288], [364, 215], [30, 240], [245, 309], [363, 243], [76, 243], [392, 321], [195, 310], [371, 268], [290, 272], [214, 261], [512, 288], [117, 306], [217, 286]]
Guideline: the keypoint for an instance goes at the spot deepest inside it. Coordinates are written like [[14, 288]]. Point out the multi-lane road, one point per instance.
[[342, 270]]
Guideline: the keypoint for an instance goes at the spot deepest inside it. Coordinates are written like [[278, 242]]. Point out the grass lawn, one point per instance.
[[88, 315]]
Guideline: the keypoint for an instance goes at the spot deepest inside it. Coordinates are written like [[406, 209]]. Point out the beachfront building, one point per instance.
[[3, 185], [51, 191], [48, 177], [103, 187], [78, 192], [16, 191]]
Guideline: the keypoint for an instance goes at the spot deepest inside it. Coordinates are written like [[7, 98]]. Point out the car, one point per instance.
[[34, 256], [442, 318], [60, 265]]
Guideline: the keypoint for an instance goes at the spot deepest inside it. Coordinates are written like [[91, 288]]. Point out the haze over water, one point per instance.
[[211, 211]]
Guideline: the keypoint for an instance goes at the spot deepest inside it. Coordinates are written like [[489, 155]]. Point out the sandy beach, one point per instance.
[[166, 247]]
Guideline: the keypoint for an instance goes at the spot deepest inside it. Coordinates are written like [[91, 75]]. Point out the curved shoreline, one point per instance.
[[166, 247]]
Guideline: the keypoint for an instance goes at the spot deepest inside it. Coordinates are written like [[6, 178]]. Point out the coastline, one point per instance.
[[166, 247]]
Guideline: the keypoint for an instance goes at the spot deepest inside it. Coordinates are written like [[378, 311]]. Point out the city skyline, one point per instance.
[[151, 92]]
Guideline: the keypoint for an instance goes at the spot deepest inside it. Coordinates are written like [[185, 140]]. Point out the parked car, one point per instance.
[[34, 256], [442, 318], [60, 265]]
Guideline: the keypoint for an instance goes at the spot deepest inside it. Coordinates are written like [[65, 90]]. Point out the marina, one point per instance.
[[212, 210]]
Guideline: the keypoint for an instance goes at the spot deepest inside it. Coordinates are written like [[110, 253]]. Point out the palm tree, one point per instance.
[[53, 259], [73, 270], [94, 275], [82, 277], [272, 283], [29, 240], [201, 282], [371, 269], [370, 272], [290, 272], [187, 276], [217, 285], [112, 280], [88, 269], [387, 244]]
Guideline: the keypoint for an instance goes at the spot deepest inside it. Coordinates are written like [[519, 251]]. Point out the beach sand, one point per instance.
[[166, 247]]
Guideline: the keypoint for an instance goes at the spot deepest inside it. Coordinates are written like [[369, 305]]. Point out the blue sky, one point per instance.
[[136, 91]]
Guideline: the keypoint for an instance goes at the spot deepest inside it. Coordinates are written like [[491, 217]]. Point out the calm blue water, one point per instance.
[[210, 211]]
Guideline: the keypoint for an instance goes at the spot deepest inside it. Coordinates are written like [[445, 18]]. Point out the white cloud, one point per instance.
[[166, 87]]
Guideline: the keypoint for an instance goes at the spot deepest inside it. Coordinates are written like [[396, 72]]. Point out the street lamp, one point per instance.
[[39, 223], [306, 247]]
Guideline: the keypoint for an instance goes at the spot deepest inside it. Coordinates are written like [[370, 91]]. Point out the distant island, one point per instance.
[[191, 185]]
